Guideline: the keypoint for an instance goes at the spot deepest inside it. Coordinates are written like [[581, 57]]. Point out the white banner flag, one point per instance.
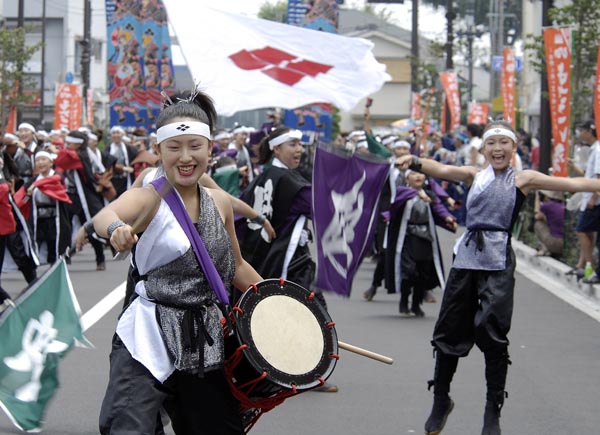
[[247, 63]]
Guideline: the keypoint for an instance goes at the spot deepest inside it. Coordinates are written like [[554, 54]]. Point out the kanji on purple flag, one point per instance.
[[346, 189]]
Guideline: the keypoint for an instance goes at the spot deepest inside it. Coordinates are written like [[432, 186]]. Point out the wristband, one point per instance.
[[415, 164], [113, 226], [89, 228], [259, 219]]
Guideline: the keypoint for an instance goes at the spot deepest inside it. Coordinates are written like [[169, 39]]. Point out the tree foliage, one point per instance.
[[14, 53], [583, 16], [274, 11]]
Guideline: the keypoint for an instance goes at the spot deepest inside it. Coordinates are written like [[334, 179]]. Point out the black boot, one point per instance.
[[404, 302], [445, 366], [370, 293], [496, 367], [491, 417], [417, 300], [442, 407]]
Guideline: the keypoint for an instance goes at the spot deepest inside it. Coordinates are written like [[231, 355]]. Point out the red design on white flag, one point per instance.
[[247, 63]]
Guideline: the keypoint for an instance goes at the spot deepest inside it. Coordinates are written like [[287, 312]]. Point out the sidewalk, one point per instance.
[[550, 274]]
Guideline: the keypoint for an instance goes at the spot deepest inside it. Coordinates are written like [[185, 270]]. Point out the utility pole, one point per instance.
[[471, 33], [20, 24], [414, 48], [42, 81], [545, 122], [86, 44]]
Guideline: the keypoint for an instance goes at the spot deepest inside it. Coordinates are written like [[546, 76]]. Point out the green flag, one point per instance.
[[35, 335]]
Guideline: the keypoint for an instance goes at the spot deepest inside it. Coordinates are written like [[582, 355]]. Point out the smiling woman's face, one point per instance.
[[289, 153]]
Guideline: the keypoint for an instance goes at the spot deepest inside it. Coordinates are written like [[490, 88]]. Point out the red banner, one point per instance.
[[68, 106], [450, 85], [415, 106], [478, 113], [11, 123], [557, 42], [508, 86], [597, 92], [90, 108]]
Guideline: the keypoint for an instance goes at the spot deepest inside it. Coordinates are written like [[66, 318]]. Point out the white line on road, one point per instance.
[[99, 310], [558, 289]]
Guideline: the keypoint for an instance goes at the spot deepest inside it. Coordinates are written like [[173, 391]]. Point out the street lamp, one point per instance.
[[471, 33]]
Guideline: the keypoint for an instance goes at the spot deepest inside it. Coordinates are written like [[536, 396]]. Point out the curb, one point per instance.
[[550, 274]]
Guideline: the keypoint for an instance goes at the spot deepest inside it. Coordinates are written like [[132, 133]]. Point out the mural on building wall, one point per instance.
[[320, 15], [139, 60]]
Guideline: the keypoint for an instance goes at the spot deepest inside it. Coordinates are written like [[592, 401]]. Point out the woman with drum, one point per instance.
[[169, 346], [283, 196], [478, 298]]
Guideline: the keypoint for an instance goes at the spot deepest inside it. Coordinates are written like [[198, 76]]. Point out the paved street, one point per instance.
[[553, 383]]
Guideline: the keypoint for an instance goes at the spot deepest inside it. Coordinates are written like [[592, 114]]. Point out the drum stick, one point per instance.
[[365, 352], [135, 226]]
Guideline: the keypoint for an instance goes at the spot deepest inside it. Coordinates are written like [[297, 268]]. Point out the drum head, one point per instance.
[[288, 333]]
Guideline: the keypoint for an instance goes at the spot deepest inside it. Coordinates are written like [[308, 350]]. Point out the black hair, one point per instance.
[[474, 130], [264, 151], [499, 123], [79, 135], [185, 105], [224, 161]]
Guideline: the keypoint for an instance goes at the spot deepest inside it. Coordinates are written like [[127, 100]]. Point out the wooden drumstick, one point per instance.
[[365, 352]]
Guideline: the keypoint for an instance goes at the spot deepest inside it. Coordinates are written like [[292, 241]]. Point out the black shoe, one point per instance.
[[369, 294], [417, 311], [491, 419], [575, 271], [404, 308], [442, 407], [594, 279]]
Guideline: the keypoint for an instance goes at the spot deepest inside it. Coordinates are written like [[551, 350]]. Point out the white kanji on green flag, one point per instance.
[[35, 334]]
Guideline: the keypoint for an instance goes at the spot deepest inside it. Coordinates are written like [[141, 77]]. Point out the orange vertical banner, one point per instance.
[[11, 123], [597, 92], [450, 85], [443, 117], [90, 108], [67, 108], [557, 42], [478, 113], [415, 106], [508, 86]]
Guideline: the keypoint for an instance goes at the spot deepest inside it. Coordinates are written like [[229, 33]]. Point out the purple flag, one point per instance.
[[346, 191]]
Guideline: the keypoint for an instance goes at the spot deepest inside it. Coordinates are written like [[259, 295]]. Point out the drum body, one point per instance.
[[284, 343]]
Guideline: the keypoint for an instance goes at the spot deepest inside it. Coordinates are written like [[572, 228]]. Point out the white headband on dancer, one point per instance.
[[74, 139], [182, 128], [285, 137], [44, 154], [500, 131]]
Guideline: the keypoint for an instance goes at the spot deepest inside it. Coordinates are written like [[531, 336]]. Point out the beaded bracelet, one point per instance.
[[113, 226]]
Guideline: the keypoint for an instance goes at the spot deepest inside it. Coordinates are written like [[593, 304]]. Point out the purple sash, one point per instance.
[[180, 213]]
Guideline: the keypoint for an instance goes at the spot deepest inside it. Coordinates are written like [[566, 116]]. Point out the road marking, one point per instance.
[[557, 288], [99, 310]]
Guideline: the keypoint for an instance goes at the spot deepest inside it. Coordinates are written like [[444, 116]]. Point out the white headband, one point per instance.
[[10, 136], [400, 144], [26, 126], [499, 131], [92, 136], [285, 137], [44, 154], [117, 129], [181, 128], [388, 140], [224, 135], [73, 139]]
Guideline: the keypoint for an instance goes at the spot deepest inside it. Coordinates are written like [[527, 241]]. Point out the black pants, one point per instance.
[[476, 309], [21, 257], [197, 406]]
